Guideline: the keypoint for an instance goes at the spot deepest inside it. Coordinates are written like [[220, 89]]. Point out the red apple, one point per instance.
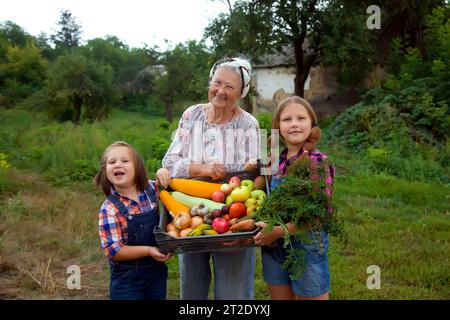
[[259, 183], [218, 196], [235, 182], [226, 188], [221, 225]]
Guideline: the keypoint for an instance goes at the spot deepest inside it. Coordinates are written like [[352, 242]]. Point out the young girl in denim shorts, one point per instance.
[[126, 221], [297, 124]]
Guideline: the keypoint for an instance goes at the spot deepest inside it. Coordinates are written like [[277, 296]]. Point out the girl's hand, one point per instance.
[[163, 177], [252, 164], [263, 238], [158, 255]]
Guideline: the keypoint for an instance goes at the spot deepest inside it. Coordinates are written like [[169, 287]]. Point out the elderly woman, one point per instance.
[[212, 140]]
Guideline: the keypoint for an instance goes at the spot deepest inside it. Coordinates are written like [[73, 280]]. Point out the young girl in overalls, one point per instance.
[[126, 221], [297, 123]]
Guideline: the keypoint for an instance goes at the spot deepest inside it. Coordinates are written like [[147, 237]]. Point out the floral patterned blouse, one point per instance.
[[199, 141]]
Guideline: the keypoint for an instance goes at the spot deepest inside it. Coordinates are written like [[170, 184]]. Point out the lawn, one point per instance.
[[48, 208]]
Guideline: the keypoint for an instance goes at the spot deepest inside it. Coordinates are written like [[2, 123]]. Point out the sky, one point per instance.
[[135, 22]]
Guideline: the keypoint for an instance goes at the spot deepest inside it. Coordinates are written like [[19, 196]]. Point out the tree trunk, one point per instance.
[[299, 70], [77, 103], [169, 110]]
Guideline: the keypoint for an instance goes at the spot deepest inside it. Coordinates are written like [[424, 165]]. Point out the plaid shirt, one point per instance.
[[316, 156], [113, 225]]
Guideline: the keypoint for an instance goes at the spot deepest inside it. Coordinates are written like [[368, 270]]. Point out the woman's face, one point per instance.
[[295, 124], [120, 168], [225, 88]]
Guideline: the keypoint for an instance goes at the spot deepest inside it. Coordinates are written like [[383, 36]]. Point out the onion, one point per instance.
[[196, 221], [182, 220], [174, 233], [184, 232], [171, 227]]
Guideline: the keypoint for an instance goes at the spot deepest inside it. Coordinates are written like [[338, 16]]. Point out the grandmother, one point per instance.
[[214, 139]]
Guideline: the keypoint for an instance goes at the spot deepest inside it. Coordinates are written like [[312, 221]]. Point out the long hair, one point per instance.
[[140, 177], [315, 133]]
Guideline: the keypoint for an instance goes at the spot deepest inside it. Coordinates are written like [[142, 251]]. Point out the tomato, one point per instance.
[[237, 210]]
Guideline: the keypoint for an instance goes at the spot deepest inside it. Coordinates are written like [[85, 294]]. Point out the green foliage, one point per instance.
[[69, 33], [245, 30], [22, 72], [133, 69], [302, 200], [330, 32], [83, 170], [343, 45], [185, 75], [4, 166], [81, 87], [402, 127], [65, 153], [265, 120]]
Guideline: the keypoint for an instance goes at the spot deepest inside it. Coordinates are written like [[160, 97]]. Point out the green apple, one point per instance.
[[229, 200], [258, 194], [240, 194], [250, 202], [247, 183]]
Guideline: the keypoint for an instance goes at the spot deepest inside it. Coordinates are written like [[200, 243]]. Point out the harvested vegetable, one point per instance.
[[243, 226], [182, 220], [174, 233], [185, 232], [171, 204], [195, 188], [171, 227], [190, 201], [302, 200], [196, 221]]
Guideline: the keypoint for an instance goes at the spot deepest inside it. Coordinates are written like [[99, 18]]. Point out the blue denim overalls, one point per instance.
[[140, 279]]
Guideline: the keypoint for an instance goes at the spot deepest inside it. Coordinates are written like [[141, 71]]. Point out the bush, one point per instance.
[[265, 120], [400, 126]]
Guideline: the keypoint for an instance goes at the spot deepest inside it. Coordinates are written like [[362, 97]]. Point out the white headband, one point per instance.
[[239, 64]]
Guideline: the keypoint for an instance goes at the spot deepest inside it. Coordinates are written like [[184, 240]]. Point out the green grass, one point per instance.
[[50, 222]]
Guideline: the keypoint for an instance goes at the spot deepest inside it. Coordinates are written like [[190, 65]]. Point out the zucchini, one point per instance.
[[190, 201]]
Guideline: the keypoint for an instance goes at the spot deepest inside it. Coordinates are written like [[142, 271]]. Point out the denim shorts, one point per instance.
[[314, 281]]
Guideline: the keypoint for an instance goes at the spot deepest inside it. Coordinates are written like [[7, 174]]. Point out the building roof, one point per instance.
[[277, 59]]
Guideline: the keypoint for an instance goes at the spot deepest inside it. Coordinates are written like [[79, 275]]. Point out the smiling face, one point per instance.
[[225, 89], [295, 124], [120, 168]]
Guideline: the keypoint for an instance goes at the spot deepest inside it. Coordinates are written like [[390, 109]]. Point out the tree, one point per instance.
[[307, 26], [130, 67], [69, 33], [79, 87], [185, 75], [242, 31], [22, 72], [14, 34]]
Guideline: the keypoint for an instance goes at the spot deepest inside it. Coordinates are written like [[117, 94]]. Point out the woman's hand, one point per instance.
[[158, 255], [252, 164], [263, 238], [215, 170], [163, 177]]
